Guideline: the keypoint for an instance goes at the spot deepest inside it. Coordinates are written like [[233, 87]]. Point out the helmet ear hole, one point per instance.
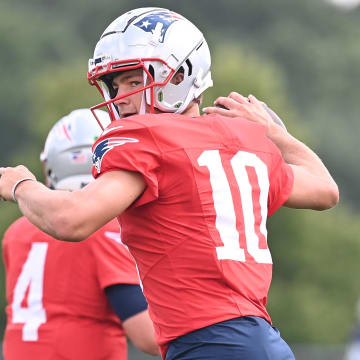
[[152, 71], [178, 78], [188, 63], [49, 175], [108, 80], [49, 179]]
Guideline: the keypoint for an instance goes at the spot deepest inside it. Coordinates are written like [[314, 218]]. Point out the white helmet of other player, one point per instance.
[[67, 156], [160, 42]]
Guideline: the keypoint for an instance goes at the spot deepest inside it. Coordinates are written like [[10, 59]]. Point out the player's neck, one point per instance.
[[192, 110]]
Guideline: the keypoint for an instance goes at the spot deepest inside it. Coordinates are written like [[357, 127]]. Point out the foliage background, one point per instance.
[[301, 57]]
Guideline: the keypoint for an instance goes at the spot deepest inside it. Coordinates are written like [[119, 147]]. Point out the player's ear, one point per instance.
[[178, 78], [198, 100]]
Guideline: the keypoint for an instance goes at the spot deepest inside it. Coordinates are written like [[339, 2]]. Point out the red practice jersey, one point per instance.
[[211, 184], [57, 308]]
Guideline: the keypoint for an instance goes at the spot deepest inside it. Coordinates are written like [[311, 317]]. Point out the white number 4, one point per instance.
[[32, 276], [224, 206]]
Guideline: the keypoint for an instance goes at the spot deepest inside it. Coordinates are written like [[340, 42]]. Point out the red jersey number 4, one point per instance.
[[30, 283]]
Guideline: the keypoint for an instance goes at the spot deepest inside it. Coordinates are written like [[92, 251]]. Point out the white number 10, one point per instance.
[[32, 275], [224, 207]]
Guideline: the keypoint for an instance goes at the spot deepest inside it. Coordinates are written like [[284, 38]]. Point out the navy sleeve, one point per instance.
[[126, 300]]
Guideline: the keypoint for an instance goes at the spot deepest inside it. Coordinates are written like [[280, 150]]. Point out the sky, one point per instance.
[[346, 3]]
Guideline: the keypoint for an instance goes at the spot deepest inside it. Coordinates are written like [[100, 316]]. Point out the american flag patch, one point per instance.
[[78, 158]]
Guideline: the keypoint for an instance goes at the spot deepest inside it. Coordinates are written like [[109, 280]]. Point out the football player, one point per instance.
[[191, 192], [62, 297]]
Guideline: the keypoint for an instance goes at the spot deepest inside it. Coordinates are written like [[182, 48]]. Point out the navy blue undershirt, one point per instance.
[[126, 300]]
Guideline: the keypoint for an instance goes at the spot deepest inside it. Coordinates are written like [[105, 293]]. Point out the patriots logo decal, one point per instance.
[[106, 145], [158, 22]]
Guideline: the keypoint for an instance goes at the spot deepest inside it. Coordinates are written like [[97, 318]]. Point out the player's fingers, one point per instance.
[[238, 97], [227, 103], [254, 100], [220, 100], [217, 110]]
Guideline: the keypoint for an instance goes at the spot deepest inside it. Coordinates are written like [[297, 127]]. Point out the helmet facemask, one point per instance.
[[102, 79]]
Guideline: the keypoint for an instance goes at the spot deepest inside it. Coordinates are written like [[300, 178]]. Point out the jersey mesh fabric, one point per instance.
[[185, 283], [79, 321]]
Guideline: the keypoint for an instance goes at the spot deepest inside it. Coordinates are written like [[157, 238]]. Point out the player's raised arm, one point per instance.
[[70, 216], [314, 187]]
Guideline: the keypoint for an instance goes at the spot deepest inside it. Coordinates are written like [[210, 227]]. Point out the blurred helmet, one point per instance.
[[67, 156], [160, 42]]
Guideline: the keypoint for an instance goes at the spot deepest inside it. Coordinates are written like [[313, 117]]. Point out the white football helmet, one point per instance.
[[160, 42], [67, 156]]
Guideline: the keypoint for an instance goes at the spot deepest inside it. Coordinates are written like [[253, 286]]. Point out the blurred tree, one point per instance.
[[26, 47], [245, 72], [315, 288]]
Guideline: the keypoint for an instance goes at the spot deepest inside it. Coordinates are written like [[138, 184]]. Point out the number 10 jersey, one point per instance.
[[198, 232]]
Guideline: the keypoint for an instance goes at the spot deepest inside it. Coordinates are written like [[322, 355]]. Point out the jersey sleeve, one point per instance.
[[281, 182], [114, 263], [131, 147]]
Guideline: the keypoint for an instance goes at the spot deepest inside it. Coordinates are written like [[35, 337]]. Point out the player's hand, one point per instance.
[[236, 105], [9, 176]]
